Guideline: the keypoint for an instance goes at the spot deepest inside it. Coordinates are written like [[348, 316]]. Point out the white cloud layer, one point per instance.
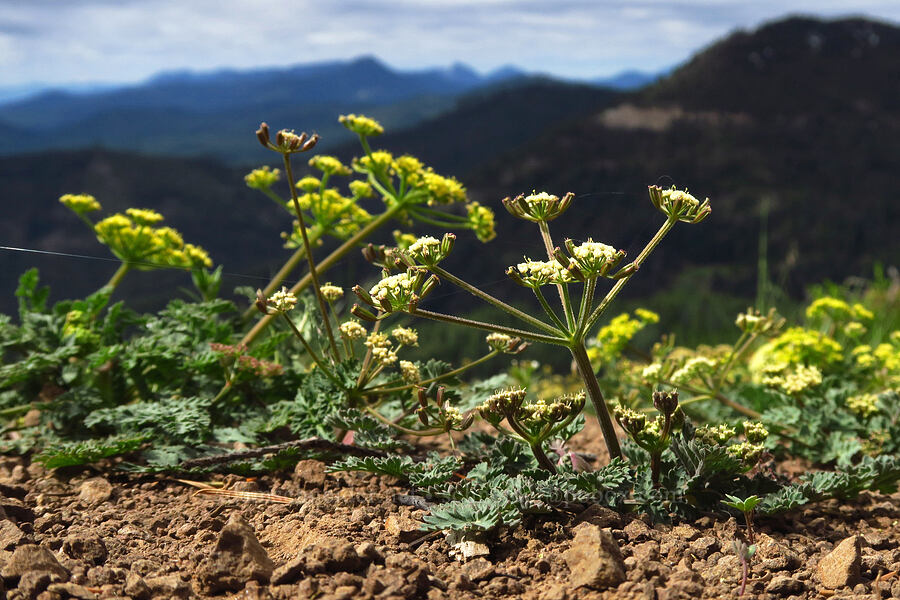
[[60, 41]]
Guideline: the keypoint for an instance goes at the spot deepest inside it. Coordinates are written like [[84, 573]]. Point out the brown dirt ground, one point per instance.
[[112, 535]]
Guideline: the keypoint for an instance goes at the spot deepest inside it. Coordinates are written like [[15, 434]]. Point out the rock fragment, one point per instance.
[[33, 558], [237, 558], [782, 585], [310, 474], [841, 566], [95, 490], [594, 559]]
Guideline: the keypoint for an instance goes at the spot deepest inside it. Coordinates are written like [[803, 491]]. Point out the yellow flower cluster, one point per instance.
[[380, 346], [135, 240], [308, 184], [405, 336], [343, 215], [837, 310], [361, 125], [795, 381], [329, 165], [442, 190], [799, 346], [409, 372], [80, 203], [542, 411], [692, 368], [332, 293], [282, 301], [717, 435], [262, 178], [865, 405], [481, 221], [379, 161], [611, 340], [143, 216], [353, 330], [361, 189]]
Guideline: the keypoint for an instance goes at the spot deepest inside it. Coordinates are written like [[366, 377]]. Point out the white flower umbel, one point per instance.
[[282, 300], [398, 290], [536, 273]]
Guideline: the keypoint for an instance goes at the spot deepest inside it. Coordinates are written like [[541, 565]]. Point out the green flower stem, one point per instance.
[[116, 279], [406, 430], [525, 335], [440, 215], [586, 371], [418, 216], [655, 464], [284, 271], [326, 264], [541, 457], [274, 197], [15, 411], [560, 288], [533, 442], [385, 180], [367, 359], [744, 342], [496, 302], [549, 309], [448, 374], [311, 352], [587, 299], [317, 287], [611, 295], [718, 396]]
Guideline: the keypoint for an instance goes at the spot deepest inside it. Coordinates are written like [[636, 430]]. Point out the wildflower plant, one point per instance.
[[579, 267], [409, 191], [138, 239]]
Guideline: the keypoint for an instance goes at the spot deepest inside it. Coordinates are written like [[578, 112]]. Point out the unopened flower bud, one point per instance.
[[363, 295], [261, 303], [665, 402], [363, 313], [262, 134]]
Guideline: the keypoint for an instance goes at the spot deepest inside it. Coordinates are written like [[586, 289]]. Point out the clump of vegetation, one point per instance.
[[86, 380]]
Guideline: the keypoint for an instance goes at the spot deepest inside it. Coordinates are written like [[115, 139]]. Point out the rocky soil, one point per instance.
[[92, 534]]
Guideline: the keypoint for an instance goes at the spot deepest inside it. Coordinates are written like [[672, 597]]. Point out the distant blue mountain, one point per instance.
[[627, 80], [186, 112]]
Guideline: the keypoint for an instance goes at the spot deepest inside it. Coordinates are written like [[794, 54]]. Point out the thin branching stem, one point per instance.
[[116, 279], [317, 287], [583, 363], [549, 309], [560, 287], [326, 264], [496, 302], [311, 352], [525, 335], [611, 295], [448, 374]]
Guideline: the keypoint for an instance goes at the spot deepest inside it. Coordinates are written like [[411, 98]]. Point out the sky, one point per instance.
[[81, 41]]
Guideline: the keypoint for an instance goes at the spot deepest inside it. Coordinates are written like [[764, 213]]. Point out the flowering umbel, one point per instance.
[[537, 207], [678, 204]]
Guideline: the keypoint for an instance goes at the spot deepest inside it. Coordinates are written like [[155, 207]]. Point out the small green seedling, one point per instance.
[[747, 507], [745, 553]]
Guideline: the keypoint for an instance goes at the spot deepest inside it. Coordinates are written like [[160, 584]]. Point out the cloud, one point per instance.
[[128, 40]]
